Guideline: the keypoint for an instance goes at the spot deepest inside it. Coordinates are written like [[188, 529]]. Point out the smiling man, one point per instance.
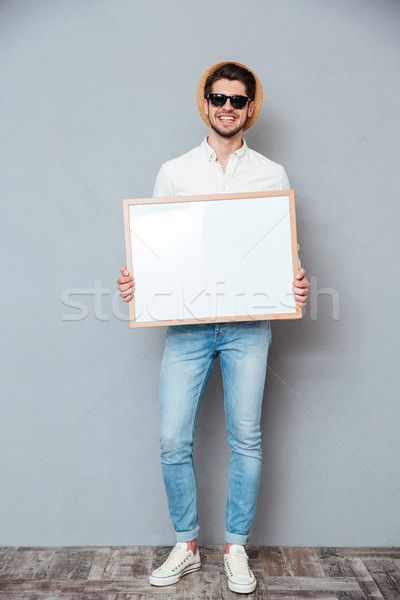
[[229, 98]]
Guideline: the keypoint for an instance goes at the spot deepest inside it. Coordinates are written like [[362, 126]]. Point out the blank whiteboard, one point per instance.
[[214, 258]]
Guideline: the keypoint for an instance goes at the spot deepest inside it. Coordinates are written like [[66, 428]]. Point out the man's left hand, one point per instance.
[[301, 288]]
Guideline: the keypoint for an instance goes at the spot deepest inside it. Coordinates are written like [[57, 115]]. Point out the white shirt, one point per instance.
[[198, 172]]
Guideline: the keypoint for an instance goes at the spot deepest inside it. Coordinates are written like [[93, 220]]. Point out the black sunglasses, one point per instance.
[[237, 102]]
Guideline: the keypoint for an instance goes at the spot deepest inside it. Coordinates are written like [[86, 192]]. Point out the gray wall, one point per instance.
[[94, 97]]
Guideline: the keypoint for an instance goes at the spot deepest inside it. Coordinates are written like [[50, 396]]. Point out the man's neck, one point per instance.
[[224, 147]]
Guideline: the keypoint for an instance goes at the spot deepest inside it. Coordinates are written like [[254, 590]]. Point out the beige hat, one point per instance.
[[258, 98]]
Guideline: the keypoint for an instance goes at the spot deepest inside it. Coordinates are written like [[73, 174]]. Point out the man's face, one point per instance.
[[228, 121]]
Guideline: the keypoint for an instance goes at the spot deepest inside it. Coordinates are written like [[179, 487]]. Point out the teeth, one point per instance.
[[227, 118]]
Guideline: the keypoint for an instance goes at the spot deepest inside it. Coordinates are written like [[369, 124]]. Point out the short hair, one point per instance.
[[233, 73]]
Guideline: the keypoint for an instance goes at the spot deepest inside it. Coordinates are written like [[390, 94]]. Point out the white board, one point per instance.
[[230, 257]]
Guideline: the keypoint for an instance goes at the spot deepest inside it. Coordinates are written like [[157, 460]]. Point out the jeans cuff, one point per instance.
[[187, 536], [236, 538]]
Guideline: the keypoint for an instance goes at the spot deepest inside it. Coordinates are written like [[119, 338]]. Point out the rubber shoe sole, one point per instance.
[[162, 581]]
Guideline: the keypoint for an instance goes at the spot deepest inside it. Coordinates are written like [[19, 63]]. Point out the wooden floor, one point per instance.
[[121, 573]]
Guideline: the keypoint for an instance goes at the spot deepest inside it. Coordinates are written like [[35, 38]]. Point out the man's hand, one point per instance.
[[126, 285], [301, 288]]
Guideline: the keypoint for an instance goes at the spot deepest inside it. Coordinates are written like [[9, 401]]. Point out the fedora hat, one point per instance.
[[258, 97]]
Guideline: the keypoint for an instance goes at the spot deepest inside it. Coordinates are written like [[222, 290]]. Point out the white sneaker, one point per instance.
[[240, 578], [179, 562]]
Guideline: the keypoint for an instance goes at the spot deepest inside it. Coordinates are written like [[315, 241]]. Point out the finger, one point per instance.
[[123, 280], [126, 286], [127, 292], [301, 304], [300, 274], [301, 285], [128, 299], [301, 291], [124, 270], [300, 297]]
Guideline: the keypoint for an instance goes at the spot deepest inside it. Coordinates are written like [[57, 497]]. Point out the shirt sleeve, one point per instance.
[[285, 185], [162, 186]]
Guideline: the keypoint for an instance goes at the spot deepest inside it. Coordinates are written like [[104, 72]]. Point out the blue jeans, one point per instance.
[[189, 355]]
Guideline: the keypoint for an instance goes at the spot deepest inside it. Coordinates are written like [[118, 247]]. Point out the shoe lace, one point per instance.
[[175, 559], [239, 564]]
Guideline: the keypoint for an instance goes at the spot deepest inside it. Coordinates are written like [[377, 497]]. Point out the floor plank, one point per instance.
[[301, 595], [6, 555], [371, 551], [385, 575], [134, 562], [324, 584], [41, 586], [71, 563], [274, 561], [334, 563], [303, 561], [30, 563], [364, 578], [99, 564]]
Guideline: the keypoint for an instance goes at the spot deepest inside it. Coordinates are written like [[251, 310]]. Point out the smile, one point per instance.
[[227, 119]]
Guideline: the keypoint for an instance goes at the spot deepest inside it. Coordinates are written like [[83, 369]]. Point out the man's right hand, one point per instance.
[[126, 285]]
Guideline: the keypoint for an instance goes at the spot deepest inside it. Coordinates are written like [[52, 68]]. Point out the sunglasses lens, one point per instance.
[[238, 102], [217, 100]]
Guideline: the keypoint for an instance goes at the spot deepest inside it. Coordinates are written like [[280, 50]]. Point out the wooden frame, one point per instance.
[[229, 239]]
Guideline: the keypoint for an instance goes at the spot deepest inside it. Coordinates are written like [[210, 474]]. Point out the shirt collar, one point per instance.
[[212, 155]]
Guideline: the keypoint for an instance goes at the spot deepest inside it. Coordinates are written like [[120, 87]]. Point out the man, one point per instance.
[[229, 100]]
